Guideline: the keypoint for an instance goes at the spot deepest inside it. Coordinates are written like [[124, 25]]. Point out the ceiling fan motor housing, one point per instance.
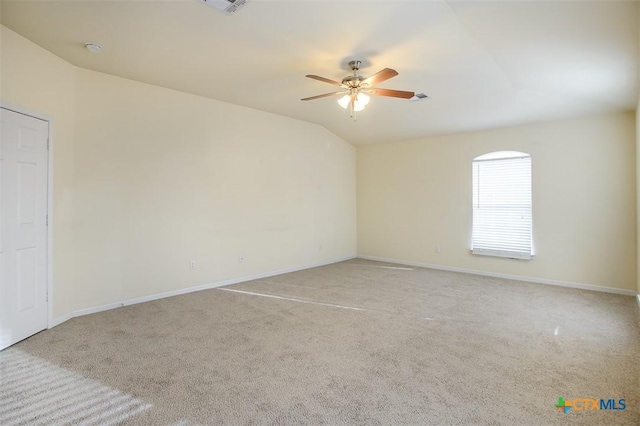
[[352, 81]]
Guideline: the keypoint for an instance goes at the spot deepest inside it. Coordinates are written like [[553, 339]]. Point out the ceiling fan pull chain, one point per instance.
[[353, 106]]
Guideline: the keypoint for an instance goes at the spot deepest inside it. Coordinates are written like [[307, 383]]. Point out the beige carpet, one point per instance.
[[350, 343]]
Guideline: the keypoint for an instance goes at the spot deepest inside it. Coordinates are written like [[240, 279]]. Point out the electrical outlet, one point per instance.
[[438, 249], [192, 264]]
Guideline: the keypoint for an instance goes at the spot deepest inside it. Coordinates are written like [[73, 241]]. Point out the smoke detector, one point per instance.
[[93, 47], [228, 6]]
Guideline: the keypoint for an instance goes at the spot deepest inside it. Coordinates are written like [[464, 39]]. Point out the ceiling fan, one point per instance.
[[358, 88]]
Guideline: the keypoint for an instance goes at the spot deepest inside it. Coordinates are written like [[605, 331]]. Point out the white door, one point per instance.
[[23, 234]]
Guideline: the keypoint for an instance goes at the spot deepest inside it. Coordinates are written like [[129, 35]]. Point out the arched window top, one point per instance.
[[501, 155]]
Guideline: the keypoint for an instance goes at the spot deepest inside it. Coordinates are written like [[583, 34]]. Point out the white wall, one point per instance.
[[417, 194], [147, 179]]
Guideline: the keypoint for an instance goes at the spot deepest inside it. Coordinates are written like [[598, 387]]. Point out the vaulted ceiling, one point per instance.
[[483, 64]]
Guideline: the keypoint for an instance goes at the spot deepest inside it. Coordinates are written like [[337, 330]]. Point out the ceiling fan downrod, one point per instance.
[[355, 66]]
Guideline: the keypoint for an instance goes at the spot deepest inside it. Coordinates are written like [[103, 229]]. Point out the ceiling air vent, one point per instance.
[[228, 6], [419, 97]]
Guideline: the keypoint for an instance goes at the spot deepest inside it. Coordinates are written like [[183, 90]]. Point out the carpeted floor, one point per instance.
[[356, 342]]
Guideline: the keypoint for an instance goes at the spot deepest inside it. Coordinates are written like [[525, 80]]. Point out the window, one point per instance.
[[502, 219]]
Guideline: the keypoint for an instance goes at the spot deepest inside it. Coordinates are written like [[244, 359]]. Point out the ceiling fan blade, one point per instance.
[[325, 80], [392, 93], [326, 95], [380, 76]]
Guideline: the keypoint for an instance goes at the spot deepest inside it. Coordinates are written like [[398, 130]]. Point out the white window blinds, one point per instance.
[[502, 219]]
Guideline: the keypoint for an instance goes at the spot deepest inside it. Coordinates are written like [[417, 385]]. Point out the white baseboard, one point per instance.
[[128, 302], [506, 276], [59, 320]]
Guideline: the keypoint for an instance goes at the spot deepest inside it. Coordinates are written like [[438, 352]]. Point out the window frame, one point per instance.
[[496, 229]]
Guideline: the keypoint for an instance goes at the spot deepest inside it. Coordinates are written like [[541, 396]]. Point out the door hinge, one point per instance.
[[47, 221], [47, 144]]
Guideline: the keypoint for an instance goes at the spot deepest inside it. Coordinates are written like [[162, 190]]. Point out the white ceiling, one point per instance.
[[483, 63]]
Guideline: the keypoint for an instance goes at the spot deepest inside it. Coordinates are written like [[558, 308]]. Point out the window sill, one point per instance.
[[503, 254]]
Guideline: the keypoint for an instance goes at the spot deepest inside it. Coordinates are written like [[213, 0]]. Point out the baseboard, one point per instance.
[[134, 301], [59, 320], [506, 276]]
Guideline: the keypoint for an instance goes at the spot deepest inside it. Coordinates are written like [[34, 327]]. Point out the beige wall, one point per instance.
[[415, 195], [147, 179], [163, 177], [35, 79]]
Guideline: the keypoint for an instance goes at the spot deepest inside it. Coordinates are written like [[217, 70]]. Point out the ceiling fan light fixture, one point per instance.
[[357, 106], [344, 101], [360, 100], [363, 98]]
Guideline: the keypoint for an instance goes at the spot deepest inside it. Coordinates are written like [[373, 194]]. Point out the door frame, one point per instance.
[[49, 120]]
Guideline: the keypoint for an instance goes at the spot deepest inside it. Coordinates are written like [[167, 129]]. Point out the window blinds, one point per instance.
[[502, 220]]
